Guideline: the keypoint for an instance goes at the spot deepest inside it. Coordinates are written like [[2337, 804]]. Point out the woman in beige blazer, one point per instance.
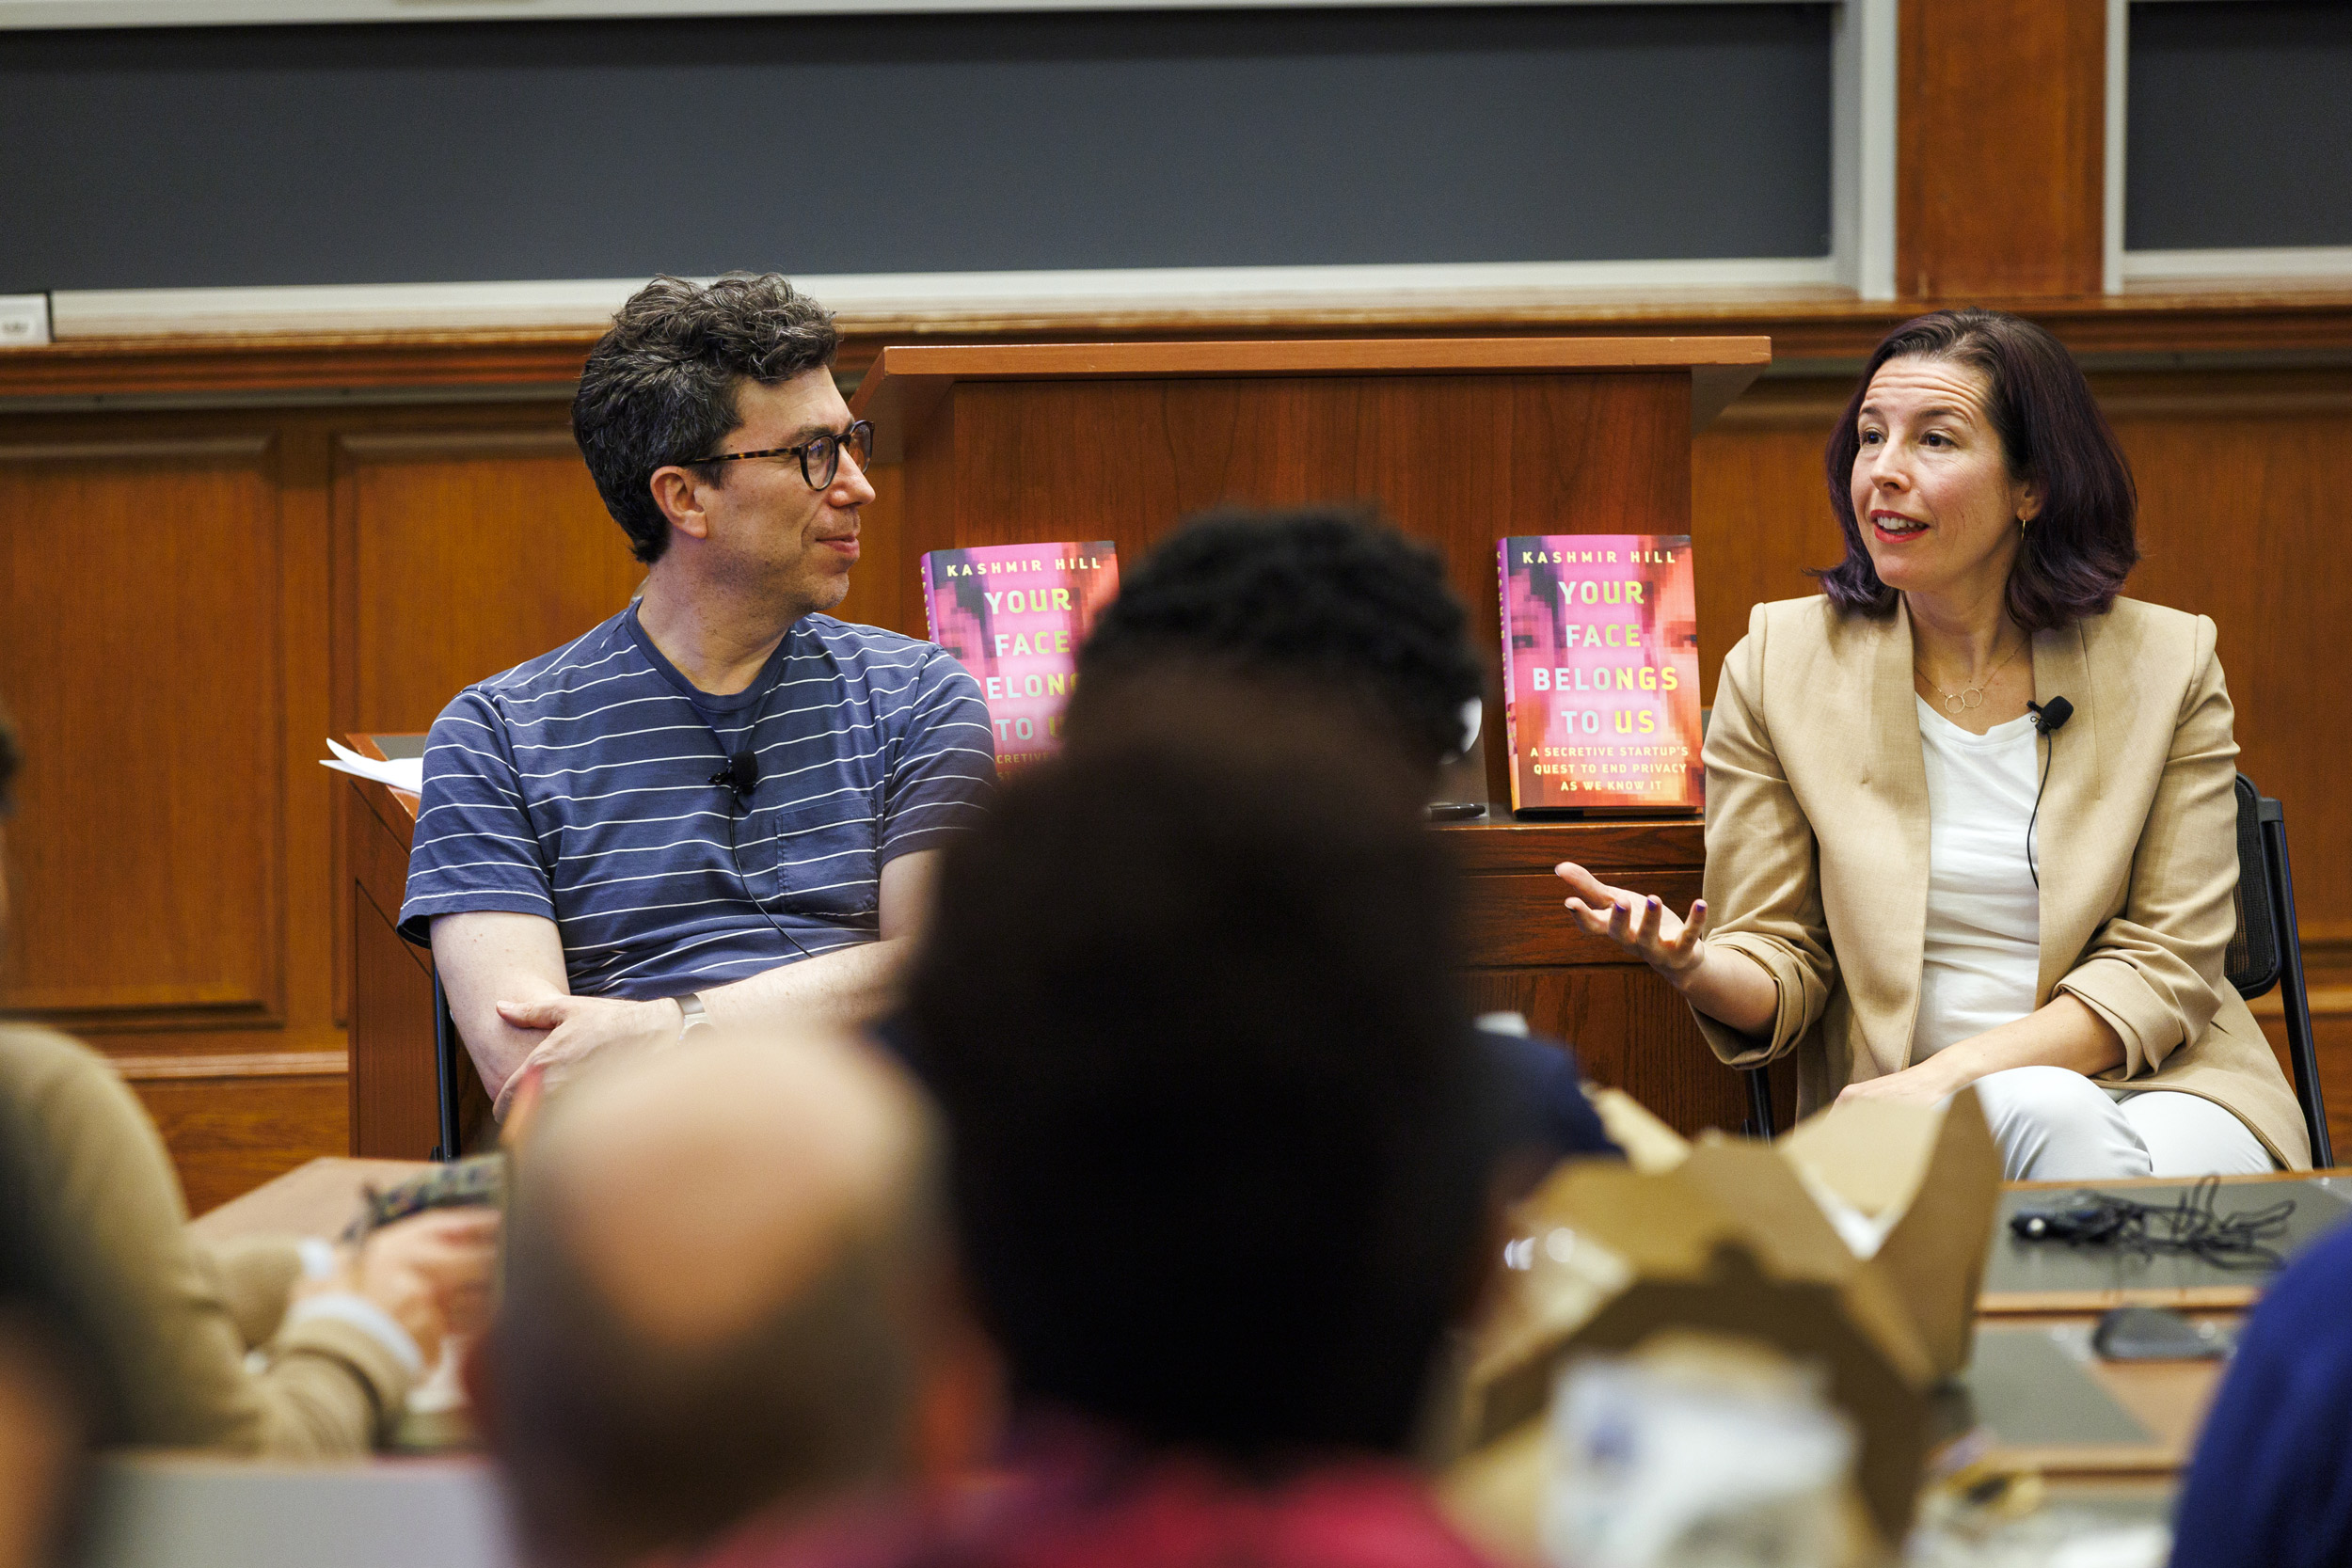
[[1922, 870]]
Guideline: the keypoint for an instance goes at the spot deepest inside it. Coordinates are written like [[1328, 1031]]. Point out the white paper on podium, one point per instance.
[[406, 773]]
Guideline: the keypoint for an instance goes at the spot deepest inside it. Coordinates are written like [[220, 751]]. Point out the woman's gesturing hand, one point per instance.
[[1639, 923]]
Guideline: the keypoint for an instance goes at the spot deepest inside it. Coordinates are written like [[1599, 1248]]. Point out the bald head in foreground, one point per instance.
[[727, 1292]]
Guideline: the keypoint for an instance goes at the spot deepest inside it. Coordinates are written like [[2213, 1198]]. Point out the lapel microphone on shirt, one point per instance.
[[2048, 718], [741, 775]]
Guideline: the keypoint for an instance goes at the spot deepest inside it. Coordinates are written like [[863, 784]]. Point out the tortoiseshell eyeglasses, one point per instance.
[[820, 457]]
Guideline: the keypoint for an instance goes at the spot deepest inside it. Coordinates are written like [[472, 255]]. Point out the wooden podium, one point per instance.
[[1460, 442]]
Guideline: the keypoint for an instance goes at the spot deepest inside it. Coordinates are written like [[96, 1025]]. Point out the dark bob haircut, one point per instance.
[[2083, 544]]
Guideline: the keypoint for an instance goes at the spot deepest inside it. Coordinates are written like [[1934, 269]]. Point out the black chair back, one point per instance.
[[450, 1067], [2265, 950], [2251, 964]]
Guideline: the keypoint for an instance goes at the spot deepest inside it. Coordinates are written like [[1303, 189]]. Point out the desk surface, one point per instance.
[[2049, 1276], [316, 1199]]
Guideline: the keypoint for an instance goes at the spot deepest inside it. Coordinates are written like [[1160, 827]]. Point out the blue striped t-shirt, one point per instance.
[[579, 786]]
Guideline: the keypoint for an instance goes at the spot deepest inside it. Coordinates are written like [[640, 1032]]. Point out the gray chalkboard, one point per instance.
[[488, 151], [2239, 126]]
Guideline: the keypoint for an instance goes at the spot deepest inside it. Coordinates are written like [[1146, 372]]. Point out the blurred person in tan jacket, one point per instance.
[[282, 1347]]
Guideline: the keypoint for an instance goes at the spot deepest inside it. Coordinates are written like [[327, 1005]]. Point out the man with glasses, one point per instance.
[[722, 805]]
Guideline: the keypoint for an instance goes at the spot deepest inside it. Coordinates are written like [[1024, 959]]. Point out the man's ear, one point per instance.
[[677, 492]]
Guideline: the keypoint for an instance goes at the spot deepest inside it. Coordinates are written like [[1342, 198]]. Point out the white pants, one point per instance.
[[2056, 1125]]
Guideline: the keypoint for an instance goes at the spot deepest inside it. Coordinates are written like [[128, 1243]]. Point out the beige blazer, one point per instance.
[[1816, 851]]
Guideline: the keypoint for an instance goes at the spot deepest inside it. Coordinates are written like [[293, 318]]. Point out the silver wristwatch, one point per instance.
[[692, 1016]]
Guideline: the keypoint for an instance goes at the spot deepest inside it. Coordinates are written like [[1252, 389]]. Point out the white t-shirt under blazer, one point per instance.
[[1984, 913]]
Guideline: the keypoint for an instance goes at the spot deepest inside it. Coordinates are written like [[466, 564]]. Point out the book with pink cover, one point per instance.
[[1013, 615], [1600, 673]]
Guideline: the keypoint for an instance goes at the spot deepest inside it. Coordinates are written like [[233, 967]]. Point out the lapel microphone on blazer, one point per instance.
[[2048, 718], [2051, 716], [741, 775]]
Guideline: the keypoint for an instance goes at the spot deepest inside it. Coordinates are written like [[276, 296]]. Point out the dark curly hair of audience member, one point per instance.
[[2084, 542], [659, 388], [1329, 595], [1217, 1132]]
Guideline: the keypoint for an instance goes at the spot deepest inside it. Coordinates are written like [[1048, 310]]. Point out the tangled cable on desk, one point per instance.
[[2189, 1224]]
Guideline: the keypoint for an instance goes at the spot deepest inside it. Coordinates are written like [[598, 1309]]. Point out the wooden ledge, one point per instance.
[[242, 1063], [2224, 317]]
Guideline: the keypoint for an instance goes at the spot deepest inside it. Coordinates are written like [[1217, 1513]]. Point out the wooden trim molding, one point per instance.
[[2234, 317], [53, 1002], [523, 440], [238, 446], [150, 1068]]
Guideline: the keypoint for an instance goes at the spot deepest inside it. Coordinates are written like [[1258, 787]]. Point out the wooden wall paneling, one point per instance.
[[1760, 508], [139, 628], [2331, 1042], [2000, 162], [1627, 1027], [463, 550], [924, 518], [394, 1081], [874, 598], [241, 1123], [1460, 460], [1518, 918], [2242, 483], [314, 920]]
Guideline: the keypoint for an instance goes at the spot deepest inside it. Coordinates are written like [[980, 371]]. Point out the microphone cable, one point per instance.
[[2048, 718], [2191, 1226]]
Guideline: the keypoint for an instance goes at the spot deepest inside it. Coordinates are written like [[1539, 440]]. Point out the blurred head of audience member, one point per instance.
[[1218, 1146], [2268, 1488], [1331, 611], [1328, 605], [48, 1404], [48, 1408], [727, 1291]]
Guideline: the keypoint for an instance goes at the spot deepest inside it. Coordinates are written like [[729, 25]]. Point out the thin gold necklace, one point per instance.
[[1971, 697]]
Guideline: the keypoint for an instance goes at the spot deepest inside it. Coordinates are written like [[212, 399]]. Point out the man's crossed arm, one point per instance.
[[508, 991]]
